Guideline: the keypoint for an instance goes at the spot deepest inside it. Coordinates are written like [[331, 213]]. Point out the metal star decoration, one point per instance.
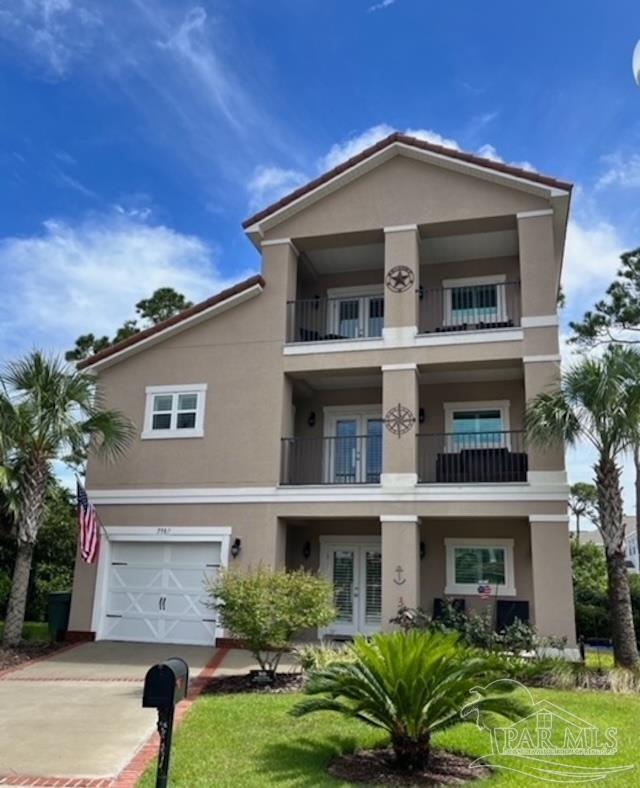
[[400, 278], [399, 420]]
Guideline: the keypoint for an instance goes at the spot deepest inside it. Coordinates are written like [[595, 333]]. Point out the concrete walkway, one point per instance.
[[78, 713]]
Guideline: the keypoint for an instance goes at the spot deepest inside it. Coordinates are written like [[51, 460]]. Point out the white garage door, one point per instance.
[[156, 592]]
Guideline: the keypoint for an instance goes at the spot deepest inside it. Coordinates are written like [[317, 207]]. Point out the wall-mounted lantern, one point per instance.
[[236, 547]]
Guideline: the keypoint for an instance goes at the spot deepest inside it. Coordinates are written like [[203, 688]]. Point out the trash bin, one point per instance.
[[58, 614]]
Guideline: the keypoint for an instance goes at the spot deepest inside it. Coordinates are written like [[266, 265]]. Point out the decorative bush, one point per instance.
[[319, 657], [410, 684], [476, 629], [266, 608]]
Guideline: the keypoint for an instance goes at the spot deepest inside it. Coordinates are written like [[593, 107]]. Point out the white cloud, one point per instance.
[[341, 151], [55, 33], [621, 172], [269, 183], [73, 279], [592, 257], [381, 5], [489, 152]]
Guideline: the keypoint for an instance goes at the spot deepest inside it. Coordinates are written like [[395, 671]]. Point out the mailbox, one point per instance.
[[166, 684]]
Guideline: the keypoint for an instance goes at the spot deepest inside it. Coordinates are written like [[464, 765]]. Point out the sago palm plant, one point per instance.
[[48, 412], [410, 684], [598, 401]]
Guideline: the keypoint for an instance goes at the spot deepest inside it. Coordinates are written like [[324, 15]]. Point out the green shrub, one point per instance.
[[320, 657], [410, 684], [265, 609]]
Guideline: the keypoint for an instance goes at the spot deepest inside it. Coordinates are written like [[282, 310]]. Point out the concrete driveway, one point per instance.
[[78, 713]]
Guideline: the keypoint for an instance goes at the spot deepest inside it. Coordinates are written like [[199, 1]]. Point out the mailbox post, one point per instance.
[[165, 685]]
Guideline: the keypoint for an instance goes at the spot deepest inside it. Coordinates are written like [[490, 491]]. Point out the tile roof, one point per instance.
[[414, 142], [196, 309]]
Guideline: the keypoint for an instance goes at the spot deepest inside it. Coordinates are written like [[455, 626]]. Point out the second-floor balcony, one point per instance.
[[442, 458], [345, 459], [466, 306], [472, 457]]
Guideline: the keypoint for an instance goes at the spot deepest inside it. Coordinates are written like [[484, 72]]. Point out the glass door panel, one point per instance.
[[375, 313], [371, 613], [345, 453], [343, 573], [349, 318], [373, 459]]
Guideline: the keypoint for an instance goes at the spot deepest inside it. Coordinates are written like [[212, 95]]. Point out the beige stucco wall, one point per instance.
[[405, 191]]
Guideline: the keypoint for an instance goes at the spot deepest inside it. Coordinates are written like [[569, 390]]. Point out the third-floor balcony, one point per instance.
[[460, 307]]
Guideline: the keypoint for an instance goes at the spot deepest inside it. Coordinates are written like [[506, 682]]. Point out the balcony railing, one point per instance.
[[331, 319], [469, 307], [465, 458], [353, 459]]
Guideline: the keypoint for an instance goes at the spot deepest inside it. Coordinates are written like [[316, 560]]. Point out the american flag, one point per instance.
[[89, 528], [484, 589]]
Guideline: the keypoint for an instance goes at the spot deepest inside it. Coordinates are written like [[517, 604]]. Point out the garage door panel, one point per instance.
[[143, 629], [156, 592], [137, 576], [192, 579], [138, 552], [130, 601]]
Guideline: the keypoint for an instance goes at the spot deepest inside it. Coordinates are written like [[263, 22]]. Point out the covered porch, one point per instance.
[[378, 565]]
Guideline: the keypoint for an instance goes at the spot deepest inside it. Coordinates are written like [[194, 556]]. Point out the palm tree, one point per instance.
[[598, 401], [48, 412], [583, 499], [411, 685]]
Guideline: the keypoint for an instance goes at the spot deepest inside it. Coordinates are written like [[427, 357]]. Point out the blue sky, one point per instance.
[[137, 134]]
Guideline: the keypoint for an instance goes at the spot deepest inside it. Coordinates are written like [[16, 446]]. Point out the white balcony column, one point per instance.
[[402, 280], [400, 402], [400, 565], [553, 611]]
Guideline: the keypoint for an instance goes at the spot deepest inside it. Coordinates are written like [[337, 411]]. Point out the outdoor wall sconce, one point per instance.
[[236, 547], [423, 550], [311, 421], [421, 415], [421, 292], [306, 550]]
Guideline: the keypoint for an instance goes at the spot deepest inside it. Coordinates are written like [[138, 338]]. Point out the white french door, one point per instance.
[[353, 449], [355, 570], [356, 316]]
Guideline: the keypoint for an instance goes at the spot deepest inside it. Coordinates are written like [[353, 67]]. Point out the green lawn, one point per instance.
[[250, 741], [602, 660], [33, 630]]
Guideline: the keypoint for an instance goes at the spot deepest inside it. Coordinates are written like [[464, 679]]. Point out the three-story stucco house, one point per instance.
[[356, 409]]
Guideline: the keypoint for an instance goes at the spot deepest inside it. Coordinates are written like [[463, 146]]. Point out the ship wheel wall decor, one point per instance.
[[400, 278], [399, 420]]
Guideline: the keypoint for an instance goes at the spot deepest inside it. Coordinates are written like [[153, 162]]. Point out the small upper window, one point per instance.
[[175, 411]]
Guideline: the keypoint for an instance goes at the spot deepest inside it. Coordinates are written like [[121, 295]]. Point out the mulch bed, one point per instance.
[[377, 767], [25, 652], [229, 685]]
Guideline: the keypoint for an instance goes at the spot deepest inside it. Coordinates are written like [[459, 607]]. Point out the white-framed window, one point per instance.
[[355, 312], [473, 562], [174, 411], [477, 425], [475, 300]]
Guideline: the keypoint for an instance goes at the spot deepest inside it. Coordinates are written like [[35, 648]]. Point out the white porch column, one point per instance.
[[400, 564]]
